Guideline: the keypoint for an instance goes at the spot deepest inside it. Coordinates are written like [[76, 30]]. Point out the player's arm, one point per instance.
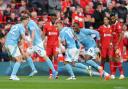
[[111, 40], [44, 37], [119, 29], [32, 28], [61, 45], [62, 42]]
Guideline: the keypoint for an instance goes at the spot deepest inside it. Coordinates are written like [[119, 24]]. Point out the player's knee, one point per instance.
[[66, 62], [18, 59]]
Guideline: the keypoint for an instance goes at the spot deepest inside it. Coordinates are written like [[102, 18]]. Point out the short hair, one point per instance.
[[76, 24], [24, 18], [1, 35]]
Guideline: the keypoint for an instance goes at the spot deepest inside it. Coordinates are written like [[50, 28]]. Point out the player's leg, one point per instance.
[[91, 56], [112, 63], [31, 64], [75, 55], [68, 67], [49, 54], [40, 51], [52, 52], [15, 53], [26, 53], [119, 63], [55, 55], [103, 56]]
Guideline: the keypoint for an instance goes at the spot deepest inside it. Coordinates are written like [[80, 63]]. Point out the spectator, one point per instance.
[[7, 12], [122, 12], [2, 5], [13, 7], [91, 5], [126, 5], [108, 11], [3, 55], [98, 16], [23, 5], [89, 20], [12, 18]]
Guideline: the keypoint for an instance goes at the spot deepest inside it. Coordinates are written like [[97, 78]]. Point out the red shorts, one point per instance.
[[105, 52], [118, 51], [52, 50]]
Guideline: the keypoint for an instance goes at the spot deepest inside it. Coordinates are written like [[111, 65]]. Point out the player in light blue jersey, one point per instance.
[[11, 43], [90, 47], [37, 43], [71, 52]]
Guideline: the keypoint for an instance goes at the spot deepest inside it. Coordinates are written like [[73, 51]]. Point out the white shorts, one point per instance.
[[72, 54], [39, 49], [13, 50], [91, 52]]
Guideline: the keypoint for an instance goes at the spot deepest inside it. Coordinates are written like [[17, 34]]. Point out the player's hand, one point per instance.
[[62, 49], [110, 46]]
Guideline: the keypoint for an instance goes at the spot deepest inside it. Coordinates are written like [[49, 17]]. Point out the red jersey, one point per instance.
[[117, 29], [52, 34], [106, 35]]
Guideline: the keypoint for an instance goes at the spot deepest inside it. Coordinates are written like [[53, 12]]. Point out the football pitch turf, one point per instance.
[[42, 82]]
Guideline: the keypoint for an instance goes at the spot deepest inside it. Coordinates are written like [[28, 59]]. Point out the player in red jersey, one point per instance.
[[52, 42], [117, 47], [106, 41]]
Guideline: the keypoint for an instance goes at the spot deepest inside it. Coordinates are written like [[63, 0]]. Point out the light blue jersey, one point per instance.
[[32, 26], [14, 34], [85, 38], [67, 35]]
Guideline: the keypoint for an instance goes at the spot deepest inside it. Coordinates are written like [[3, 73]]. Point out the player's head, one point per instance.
[[76, 27], [59, 25], [53, 18], [113, 18], [125, 27], [24, 20], [106, 21]]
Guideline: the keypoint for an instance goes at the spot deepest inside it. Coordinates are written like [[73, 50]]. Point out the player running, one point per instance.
[[37, 44], [71, 50], [90, 47]]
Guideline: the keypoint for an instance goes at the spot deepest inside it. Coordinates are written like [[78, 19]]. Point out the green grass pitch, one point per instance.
[[42, 82]]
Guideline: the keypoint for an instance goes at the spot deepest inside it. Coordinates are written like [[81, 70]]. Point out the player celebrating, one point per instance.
[[37, 44], [105, 41], [17, 31], [52, 42], [85, 38]]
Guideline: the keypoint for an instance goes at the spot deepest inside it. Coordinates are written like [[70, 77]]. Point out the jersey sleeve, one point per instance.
[[90, 31], [22, 30]]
